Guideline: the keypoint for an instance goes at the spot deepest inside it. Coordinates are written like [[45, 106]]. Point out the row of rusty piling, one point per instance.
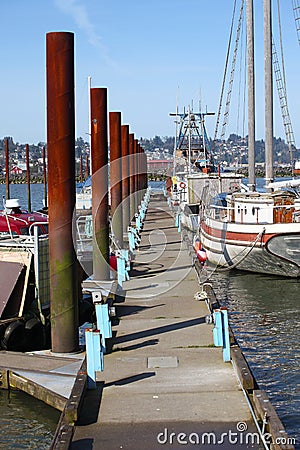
[[128, 182], [27, 159]]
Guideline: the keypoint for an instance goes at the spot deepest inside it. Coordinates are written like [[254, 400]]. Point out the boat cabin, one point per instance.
[[262, 208]]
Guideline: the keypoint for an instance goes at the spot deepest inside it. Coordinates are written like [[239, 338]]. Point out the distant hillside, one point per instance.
[[232, 150]]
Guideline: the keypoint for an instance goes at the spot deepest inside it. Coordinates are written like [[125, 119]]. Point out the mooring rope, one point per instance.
[[251, 245]]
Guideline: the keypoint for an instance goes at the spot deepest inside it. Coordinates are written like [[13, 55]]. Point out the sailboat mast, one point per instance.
[[268, 91], [251, 95]]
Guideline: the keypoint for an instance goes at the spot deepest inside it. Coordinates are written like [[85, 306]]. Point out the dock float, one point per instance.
[[45, 376], [164, 381]]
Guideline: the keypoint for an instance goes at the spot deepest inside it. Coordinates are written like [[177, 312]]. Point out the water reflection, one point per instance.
[[265, 317]]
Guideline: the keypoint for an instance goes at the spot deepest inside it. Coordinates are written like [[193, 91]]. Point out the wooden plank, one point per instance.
[[40, 392], [8, 258], [244, 373], [63, 438], [12, 275], [265, 409], [73, 404]]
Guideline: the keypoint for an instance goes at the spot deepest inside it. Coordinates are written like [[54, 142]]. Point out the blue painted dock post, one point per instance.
[[138, 222], [120, 270], [226, 338], [123, 266], [94, 355], [179, 223], [217, 331], [131, 239], [103, 322], [136, 235], [125, 254]]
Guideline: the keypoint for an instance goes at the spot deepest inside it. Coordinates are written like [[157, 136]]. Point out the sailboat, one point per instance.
[[246, 229]]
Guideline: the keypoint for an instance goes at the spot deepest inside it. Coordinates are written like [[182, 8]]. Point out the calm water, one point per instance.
[[20, 191], [265, 316], [25, 423]]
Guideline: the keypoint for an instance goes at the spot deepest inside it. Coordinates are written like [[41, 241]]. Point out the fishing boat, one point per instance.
[[192, 158], [253, 231], [250, 230]]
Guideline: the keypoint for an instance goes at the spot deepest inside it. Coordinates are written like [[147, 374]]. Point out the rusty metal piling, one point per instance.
[[132, 175], [136, 175], [28, 178], [125, 177], [116, 176], [99, 155], [45, 177], [7, 169], [61, 189], [145, 171]]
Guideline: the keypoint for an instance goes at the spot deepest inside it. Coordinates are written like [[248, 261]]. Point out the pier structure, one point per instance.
[[163, 379]]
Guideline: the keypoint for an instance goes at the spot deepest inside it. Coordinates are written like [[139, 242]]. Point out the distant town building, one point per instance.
[[159, 165]]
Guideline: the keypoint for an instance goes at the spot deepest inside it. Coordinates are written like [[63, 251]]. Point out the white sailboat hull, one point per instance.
[[262, 248]]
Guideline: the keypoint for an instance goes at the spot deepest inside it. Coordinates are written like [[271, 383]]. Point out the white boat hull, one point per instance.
[[270, 248]]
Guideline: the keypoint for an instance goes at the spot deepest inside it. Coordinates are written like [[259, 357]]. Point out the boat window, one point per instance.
[[239, 209], [253, 211], [245, 209], [24, 230]]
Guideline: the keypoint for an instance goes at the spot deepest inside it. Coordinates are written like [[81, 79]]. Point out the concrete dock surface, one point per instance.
[[164, 384]]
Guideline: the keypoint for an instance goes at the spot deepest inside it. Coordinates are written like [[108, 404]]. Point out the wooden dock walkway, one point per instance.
[[164, 376]]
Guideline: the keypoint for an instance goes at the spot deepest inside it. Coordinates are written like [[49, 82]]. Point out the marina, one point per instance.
[[140, 314], [140, 305]]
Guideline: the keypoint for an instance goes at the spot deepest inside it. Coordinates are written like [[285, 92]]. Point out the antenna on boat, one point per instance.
[[176, 133]]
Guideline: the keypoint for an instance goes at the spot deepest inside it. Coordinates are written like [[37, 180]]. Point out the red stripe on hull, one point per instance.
[[234, 236]]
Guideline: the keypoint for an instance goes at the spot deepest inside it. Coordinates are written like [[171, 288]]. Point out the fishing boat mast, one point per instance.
[[191, 148]]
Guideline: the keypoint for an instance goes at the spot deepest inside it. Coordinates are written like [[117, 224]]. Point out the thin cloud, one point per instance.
[[80, 16]]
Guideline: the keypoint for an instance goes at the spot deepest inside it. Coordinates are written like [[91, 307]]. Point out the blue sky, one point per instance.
[[149, 54]]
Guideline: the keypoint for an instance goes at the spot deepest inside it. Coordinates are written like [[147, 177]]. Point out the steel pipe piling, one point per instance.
[[116, 176], [61, 189], [125, 177], [100, 211], [28, 178]]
